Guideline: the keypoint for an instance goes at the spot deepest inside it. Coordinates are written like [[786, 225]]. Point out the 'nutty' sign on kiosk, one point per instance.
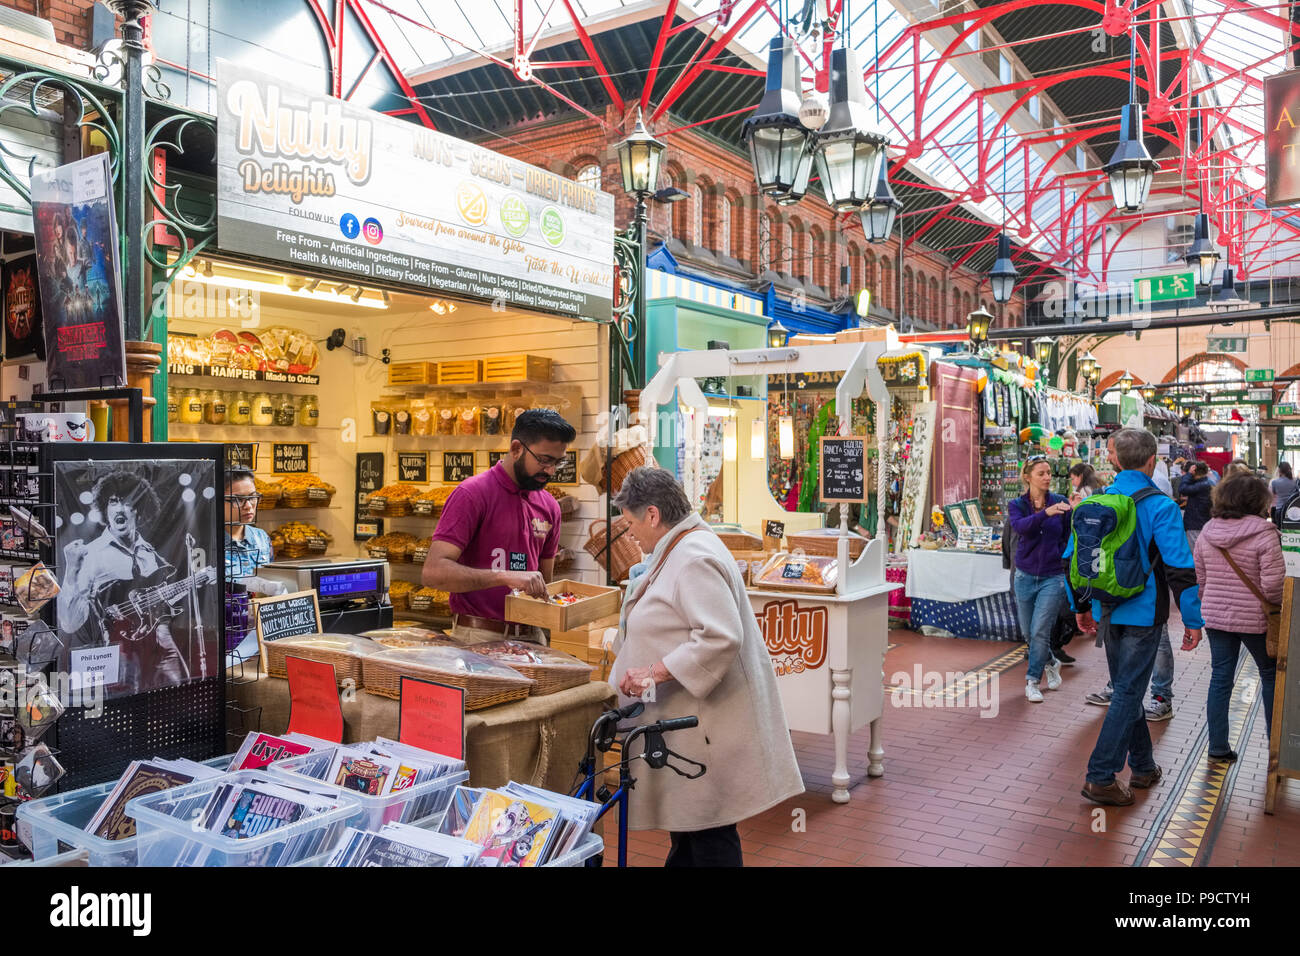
[[313, 181]]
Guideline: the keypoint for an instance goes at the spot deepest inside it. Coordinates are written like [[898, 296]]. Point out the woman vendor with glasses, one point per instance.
[[499, 532]]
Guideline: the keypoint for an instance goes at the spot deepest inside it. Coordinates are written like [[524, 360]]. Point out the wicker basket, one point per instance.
[[389, 507], [401, 600], [552, 670], [327, 649], [271, 496], [383, 673], [623, 551], [826, 543], [623, 466]]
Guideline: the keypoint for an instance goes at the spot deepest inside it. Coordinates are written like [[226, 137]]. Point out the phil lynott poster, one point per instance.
[[139, 599], [77, 264]]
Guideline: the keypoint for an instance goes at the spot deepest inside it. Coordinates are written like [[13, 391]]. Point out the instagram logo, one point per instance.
[[373, 231]]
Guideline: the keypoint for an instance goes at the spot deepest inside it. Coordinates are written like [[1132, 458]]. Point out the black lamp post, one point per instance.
[[638, 158], [133, 136], [1131, 167], [1043, 346], [780, 146], [1201, 254]]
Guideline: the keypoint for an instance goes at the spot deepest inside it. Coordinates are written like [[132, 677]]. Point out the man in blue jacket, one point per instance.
[[1131, 631]]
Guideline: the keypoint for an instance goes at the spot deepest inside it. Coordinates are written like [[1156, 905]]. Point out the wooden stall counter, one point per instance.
[[538, 740]]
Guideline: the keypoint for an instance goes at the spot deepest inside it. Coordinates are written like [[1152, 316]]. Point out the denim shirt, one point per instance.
[[243, 558]]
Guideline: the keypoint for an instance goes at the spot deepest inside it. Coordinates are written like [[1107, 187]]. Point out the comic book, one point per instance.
[[258, 750], [110, 822], [512, 832], [362, 772], [459, 810]]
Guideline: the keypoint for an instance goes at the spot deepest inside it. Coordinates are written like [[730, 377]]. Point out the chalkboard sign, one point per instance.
[[241, 455], [496, 456], [291, 458], [567, 474], [286, 615], [414, 465], [774, 529], [843, 469], [370, 478], [457, 466]]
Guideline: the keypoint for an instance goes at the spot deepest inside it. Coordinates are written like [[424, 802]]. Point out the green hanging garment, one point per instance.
[[808, 490]]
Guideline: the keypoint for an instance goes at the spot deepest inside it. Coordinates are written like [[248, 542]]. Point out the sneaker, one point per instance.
[[1114, 794], [1101, 697], [1053, 674], [1032, 693], [1159, 709]]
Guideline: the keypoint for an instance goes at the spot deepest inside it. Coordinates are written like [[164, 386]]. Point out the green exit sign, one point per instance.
[[1225, 343], [1283, 411], [1165, 288], [1259, 375]]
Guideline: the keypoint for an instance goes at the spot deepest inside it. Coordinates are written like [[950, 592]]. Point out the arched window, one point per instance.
[[811, 255], [764, 242], [869, 278], [724, 227], [589, 176], [697, 215], [937, 310], [887, 290], [909, 292], [855, 268]]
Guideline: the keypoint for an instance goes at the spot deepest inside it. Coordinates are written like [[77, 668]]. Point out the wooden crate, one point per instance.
[[413, 373], [468, 372], [875, 333], [517, 368], [596, 602]]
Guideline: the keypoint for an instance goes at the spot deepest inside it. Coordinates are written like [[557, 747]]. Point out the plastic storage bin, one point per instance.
[[413, 805], [57, 824], [584, 851], [167, 836]]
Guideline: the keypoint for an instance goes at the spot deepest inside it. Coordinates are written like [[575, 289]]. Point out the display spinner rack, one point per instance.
[[183, 720]]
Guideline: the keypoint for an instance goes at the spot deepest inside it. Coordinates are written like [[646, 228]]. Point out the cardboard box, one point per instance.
[[807, 338], [875, 333]]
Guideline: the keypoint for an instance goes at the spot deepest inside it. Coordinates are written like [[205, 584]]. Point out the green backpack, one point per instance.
[[1108, 562]]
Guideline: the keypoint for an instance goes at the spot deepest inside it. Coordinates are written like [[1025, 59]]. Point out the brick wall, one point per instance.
[[71, 18], [567, 145]]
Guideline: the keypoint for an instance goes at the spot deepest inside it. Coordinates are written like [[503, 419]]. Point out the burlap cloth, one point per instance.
[[538, 740]]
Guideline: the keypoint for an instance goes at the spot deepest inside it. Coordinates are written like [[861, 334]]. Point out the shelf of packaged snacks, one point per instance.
[[478, 389]]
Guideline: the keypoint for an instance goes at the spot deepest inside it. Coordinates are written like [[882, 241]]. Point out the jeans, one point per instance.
[[1162, 676], [1039, 602], [152, 663], [1130, 656], [1225, 648], [1191, 538], [719, 846]]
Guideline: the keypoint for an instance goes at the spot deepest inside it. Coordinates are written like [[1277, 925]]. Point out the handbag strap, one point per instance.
[[663, 559], [1245, 580]]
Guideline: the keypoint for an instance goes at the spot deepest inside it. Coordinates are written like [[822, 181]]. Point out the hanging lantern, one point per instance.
[[1148, 392], [777, 335], [758, 440], [1201, 254], [1131, 168], [849, 149], [786, 437], [729, 440], [780, 146], [878, 215], [1227, 294], [1003, 275], [1126, 381]]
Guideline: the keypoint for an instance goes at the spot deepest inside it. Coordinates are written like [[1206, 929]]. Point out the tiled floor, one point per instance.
[[961, 789]]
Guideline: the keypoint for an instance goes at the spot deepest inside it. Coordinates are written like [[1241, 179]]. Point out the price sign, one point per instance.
[[432, 717], [291, 458], [975, 538], [774, 529], [287, 615], [457, 466], [241, 455], [314, 707], [843, 469], [414, 466], [567, 473]]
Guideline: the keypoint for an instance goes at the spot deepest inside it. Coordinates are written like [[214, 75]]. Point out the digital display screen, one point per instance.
[[348, 584]]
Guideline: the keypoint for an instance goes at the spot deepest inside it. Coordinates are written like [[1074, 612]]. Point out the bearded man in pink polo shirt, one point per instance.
[[499, 531]]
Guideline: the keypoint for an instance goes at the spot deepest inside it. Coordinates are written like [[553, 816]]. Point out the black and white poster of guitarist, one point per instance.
[[139, 601]]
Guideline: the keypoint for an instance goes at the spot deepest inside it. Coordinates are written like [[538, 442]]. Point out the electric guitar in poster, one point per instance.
[[132, 611]]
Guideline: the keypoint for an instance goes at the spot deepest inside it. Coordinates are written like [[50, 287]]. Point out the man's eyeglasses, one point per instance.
[[546, 461], [240, 500]]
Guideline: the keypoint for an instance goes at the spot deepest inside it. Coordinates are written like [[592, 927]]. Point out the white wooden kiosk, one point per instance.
[[827, 650]]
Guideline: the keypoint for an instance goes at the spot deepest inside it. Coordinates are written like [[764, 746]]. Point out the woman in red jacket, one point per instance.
[[1239, 534]]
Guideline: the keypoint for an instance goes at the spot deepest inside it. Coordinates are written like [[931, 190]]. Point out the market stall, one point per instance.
[[820, 595]]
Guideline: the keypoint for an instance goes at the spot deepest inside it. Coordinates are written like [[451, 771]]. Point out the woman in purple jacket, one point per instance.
[[1041, 521]]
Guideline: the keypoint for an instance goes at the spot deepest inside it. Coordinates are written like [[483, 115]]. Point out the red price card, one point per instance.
[[314, 707], [432, 717]]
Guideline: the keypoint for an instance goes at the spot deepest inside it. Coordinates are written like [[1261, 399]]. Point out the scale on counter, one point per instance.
[[353, 595]]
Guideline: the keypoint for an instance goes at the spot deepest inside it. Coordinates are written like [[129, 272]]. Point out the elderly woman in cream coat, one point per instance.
[[689, 643]]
